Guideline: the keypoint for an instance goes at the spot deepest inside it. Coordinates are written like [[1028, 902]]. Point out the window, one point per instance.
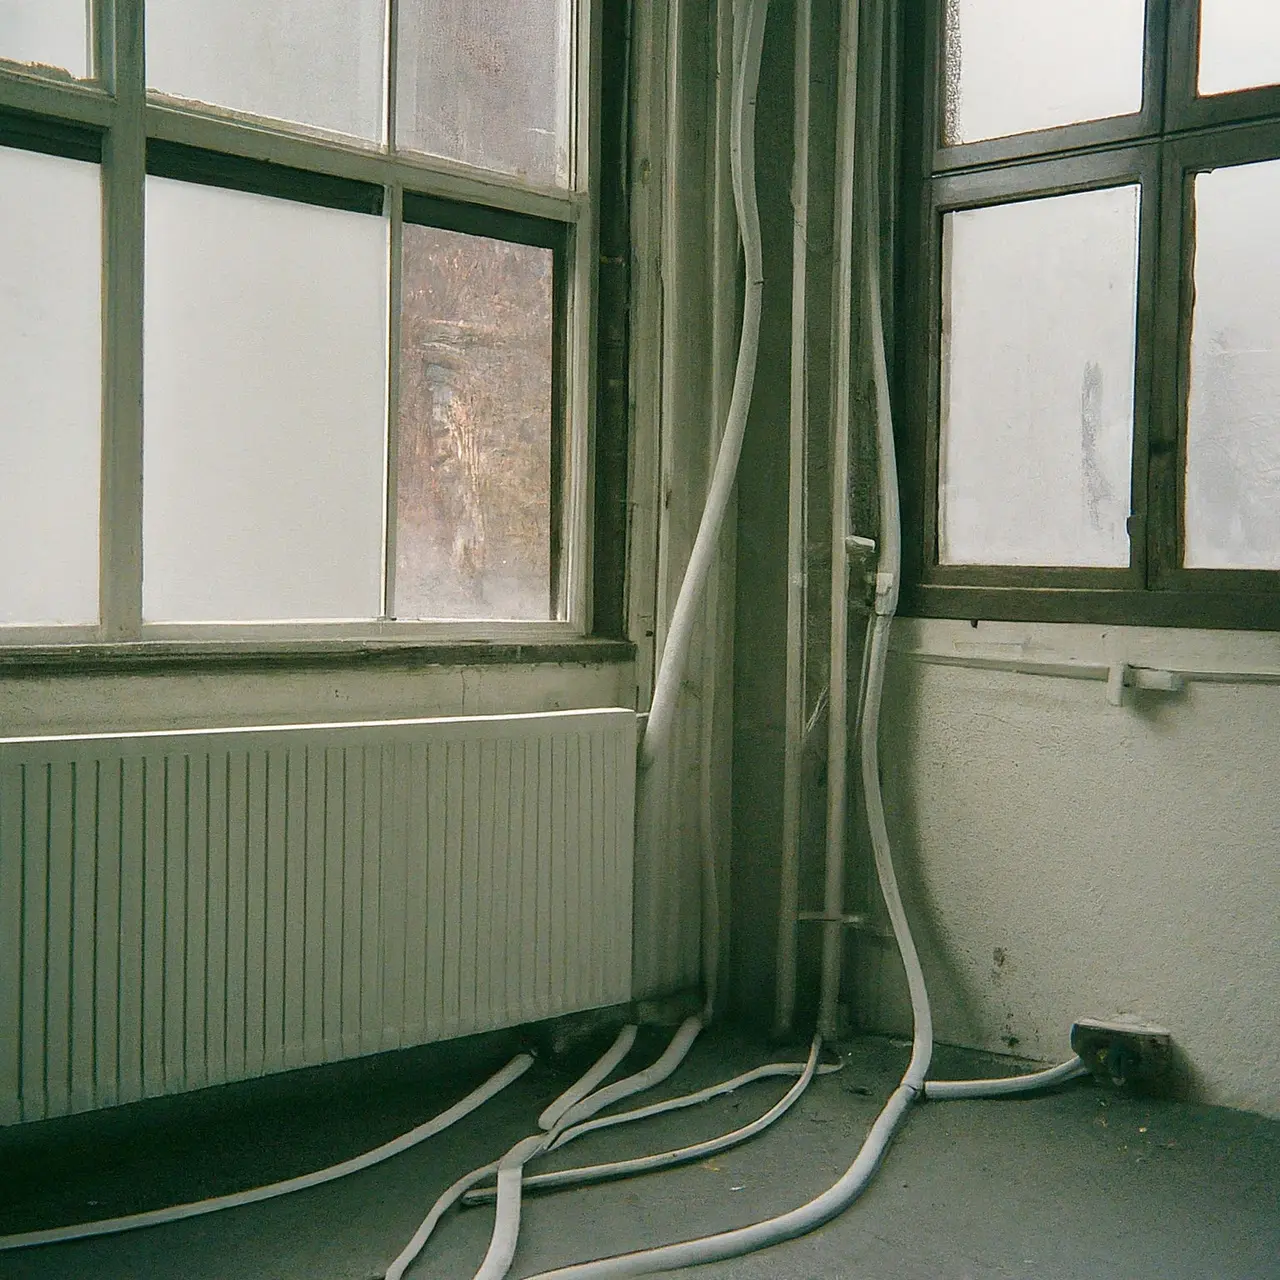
[[296, 319], [1092, 414]]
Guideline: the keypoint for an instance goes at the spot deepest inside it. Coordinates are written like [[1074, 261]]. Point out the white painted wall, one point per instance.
[[1062, 856], [110, 703]]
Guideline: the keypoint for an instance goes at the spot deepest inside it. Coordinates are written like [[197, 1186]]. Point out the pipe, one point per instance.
[[597, 1072], [484, 1195], [569, 1098], [838, 682], [506, 1223], [666, 688], [175, 1213], [807, 1217], [1005, 1085], [724, 334], [766, 1072], [670, 1058], [667, 1159], [793, 723]]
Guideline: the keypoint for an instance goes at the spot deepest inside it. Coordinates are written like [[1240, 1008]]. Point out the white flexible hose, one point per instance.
[[1002, 1086], [668, 1159], [670, 1058], [506, 1222], [597, 1072], [666, 685], [485, 1195], [175, 1213], [593, 1075], [766, 1072], [834, 1200]]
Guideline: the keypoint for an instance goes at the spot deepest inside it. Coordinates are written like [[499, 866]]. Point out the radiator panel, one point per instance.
[[185, 909]]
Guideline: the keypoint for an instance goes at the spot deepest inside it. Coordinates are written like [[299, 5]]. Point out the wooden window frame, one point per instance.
[[1161, 146], [114, 121]]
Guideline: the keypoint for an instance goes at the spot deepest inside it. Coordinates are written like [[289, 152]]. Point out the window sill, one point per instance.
[[145, 657]]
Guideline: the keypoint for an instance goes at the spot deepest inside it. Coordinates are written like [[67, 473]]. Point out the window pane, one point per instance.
[[51, 375], [312, 62], [1039, 306], [1017, 65], [474, 494], [486, 82], [1233, 417], [1239, 44], [264, 456], [52, 35]]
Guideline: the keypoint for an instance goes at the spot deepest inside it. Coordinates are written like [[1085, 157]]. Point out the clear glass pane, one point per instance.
[[312, 62], [51, 375], [1017, 65], [264, 450], [473, 530], [1239, 44], [1233, 416], [1039, 307], [487, 82], [52, 36]]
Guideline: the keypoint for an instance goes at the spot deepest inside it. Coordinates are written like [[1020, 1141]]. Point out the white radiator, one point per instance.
[[182, 909]]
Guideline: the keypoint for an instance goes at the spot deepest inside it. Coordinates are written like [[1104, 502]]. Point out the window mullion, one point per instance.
[[124, 191], [395, 196], [1169, 380]]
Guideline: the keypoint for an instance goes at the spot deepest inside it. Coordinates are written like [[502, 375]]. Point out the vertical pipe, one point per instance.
[[838, 722], [793, 724]]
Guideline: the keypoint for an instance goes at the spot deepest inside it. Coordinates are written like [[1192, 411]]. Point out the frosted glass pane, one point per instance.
[[1017, 65], [474, 493], [486, 82], [313, 62], [52, 35], [1039, 306], [1233, 416], [1239, 44], [264, 453], [51, 375]]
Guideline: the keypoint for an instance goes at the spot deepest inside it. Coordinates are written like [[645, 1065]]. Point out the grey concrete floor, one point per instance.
[[1078, 1183]]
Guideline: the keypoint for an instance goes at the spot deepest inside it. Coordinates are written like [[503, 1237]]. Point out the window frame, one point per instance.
[[1159, 146], [114, 120]]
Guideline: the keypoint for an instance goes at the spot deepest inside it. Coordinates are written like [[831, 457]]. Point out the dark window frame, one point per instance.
[[216, 147], [1161, 146]]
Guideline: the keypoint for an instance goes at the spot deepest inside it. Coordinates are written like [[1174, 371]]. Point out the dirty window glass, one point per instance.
[[1239, 44], [49, 36], [311, 62], [1233, 413], [487, 83], [1039, 302], [1013, 66], [265, 404], [51, 376], [473, 500]]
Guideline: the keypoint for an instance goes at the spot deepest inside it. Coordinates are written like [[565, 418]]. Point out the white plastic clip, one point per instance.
[[1116, 683], [1121, 674]]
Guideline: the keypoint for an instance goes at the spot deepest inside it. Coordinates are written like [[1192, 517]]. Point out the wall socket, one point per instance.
[[1122, 1051]]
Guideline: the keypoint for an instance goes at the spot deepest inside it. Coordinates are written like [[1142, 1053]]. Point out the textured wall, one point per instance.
[[1063, 857]]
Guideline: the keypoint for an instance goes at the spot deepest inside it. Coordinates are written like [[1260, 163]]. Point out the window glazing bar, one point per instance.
[[124, 195]]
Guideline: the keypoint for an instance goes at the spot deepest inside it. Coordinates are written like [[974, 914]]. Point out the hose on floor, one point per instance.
[[175, 1213]]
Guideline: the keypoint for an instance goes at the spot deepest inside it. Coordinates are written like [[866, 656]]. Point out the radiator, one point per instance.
[[181, 909]]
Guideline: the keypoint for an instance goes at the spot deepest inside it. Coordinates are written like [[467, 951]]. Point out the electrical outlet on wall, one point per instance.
[[1123, 1050]]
